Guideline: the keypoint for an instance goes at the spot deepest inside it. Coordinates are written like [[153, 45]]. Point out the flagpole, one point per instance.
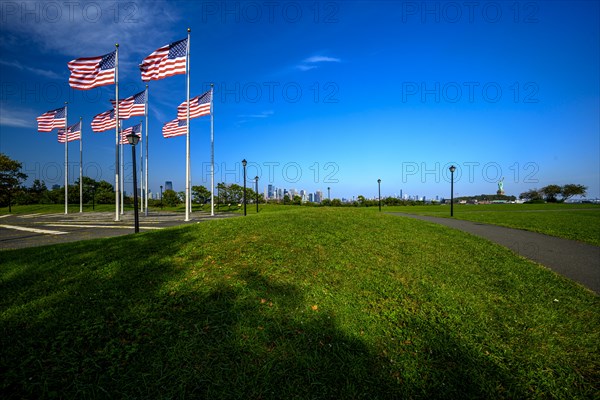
[[141, 169], [117, 133], [212, 153], [66, 161], [122, 169], [146, 165], [80, 165], [187, 141]]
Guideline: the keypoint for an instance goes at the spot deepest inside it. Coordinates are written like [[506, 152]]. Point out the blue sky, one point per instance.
[[324, 94]]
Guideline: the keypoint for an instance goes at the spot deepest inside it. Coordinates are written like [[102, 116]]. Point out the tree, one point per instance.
[[170, 198], [11, 179], [200, 194], [571, 190], [105, 193], [221, 193], [361, 200], [550, 192], [531, 195]]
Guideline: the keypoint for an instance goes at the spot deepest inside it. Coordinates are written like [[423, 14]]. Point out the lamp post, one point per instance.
[[133, 139], [94, 197], [256, 179], [329, 193], [161, 197], [379, 186], [244, 163], [452, 169]]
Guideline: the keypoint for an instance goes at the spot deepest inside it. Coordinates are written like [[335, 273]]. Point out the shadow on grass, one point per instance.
[[133, 325]]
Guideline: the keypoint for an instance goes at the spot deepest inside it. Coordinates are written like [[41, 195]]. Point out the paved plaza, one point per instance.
[[29, 230]]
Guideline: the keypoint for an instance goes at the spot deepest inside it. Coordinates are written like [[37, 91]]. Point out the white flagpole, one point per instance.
[[122, 169], [66, 162], [146, 164], [187, 141], [141, 168], [212, 153], [80, 166], [117, 196]]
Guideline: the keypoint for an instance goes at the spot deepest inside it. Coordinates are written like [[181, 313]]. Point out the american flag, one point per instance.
[[51, 119], [132, 106], [90, 72], [137, 129], [167, 61], [177, 127], [104, 121], [199, 106], [73, 133]]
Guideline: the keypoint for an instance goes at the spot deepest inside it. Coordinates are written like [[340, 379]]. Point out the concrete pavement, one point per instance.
[[29, 230]]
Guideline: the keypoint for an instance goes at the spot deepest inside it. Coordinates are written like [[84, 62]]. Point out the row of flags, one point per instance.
[[90, 72]]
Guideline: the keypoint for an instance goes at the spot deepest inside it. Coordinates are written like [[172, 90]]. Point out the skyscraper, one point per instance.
[[318, 196], [168, 185], [270, 191]]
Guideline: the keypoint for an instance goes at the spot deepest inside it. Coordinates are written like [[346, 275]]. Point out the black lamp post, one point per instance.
[[94, 197], [452, 169], [329, 193], [133, 139], [379, 186], [256, 179], [244, 163], [161, 197]]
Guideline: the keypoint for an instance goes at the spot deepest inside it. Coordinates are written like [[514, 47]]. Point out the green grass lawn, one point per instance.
[[570, 221], [303, 303]]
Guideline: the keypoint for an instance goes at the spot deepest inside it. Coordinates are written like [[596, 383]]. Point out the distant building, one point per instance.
[[271, 192], [318, 196], [168, 185]]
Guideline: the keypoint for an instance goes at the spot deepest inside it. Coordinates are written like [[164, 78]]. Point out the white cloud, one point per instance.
[[249, 117], [38, 71], [313, 61], [303, 67], [317, 59], [90, 28], [17, 118], [264, 114]]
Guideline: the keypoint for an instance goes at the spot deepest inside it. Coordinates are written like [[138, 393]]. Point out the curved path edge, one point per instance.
[[575, 260]]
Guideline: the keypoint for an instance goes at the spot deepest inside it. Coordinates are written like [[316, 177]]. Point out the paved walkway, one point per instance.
[[575, 260], [29, 230]]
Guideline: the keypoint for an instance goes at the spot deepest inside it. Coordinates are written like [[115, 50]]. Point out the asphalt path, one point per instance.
[[575, 260], [31, 230]]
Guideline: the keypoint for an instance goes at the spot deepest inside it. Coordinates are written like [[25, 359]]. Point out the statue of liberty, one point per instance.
[[500, 186]]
